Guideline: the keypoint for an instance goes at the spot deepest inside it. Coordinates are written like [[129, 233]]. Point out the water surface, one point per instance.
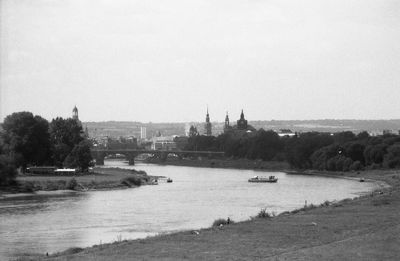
[[51, 222]]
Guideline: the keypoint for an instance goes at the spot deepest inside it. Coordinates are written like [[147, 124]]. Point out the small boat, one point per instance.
[[270, 179], [362, 180], [169, 180]]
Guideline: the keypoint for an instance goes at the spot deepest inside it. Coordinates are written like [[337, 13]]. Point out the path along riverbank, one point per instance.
[[364, 228]]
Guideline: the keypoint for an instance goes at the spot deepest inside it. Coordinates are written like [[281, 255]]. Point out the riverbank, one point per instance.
[[224, 163], [99, 179], [365, 228]]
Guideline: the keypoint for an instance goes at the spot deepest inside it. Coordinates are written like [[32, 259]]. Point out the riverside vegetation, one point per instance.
[[28, 140]]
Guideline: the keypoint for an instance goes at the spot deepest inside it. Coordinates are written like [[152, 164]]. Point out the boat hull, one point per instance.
[[263, 180]]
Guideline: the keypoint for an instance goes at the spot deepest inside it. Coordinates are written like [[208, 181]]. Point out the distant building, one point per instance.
[[163, 143], [75, 114], [240, 128], [242, 123], [181, 142], [143, 134], [227, 127], [207, 126]]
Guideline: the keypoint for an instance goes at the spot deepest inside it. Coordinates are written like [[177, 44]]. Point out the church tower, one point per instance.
[[75, 114], [242, 123], [207, 125], [226, 126]]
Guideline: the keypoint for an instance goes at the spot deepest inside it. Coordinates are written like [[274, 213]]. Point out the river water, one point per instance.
[[51, 222]]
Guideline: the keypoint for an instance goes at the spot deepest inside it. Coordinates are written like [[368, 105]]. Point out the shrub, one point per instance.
[[264, 214], [222, 221], [356, 165], [72, 184]]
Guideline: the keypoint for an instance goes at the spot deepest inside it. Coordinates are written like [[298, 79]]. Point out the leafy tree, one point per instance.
[[392, 158], [373, 154], [8, 171], [343, 137], [363, 136], [300, 148], [27, 138], [355, 151], [65, 134], [79, 157], [265, 145], [321, 157]]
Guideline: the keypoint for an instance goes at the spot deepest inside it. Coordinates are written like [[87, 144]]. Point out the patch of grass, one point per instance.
[[305, 208], [129, 181], [380, 201]]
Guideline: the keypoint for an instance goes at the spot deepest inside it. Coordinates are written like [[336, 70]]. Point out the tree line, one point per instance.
[[342, 151], [30, 140]]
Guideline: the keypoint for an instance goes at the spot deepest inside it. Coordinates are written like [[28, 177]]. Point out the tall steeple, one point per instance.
[[207, 125], [242, 123], [75, 113], [207, 116], [226, 126]]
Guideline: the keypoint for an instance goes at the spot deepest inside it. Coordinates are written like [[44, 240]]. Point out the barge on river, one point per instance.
[[270, 179]]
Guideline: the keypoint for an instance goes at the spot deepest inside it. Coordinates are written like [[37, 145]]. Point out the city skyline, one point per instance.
[[165, 62]]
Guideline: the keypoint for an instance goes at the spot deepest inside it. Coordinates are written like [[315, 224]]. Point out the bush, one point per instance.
[[222, 221], [72, 184], [356, 166], [264, 214]]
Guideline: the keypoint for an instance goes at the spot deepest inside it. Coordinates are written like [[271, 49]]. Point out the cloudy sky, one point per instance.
[[165, 61]]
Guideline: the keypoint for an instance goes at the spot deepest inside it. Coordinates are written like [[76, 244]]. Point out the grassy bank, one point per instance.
[[365, 228], [101, 178], [224, 163]]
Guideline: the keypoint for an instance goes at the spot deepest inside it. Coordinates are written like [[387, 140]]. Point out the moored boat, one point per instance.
[[270, 179]]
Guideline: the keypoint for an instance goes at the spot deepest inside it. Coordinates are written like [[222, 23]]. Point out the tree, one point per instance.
[[27, 138], [65, 134], [392, 158], [355, 151], [300, 148], [8, 171], [265, 145], [193, 131], [80, 156]]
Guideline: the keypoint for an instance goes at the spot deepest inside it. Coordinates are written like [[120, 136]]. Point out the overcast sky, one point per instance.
[[165, 61]]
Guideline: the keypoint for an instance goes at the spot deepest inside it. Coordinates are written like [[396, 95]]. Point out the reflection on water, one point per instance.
[[50, 222]]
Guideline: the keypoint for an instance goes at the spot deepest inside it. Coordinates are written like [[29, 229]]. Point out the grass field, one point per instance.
[[101, 178], [367, 228]]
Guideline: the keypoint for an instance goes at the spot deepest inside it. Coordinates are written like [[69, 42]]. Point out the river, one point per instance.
[[51, 222]]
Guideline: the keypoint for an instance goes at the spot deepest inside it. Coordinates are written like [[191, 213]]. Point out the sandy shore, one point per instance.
[[366, 228]]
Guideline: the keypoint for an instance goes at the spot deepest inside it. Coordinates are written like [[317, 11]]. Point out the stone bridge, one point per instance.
[[130, 154]]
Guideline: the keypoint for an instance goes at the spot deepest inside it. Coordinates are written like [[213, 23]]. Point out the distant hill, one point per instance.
[[130, 128]]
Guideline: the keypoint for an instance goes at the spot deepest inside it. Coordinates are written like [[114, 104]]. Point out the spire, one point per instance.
[[242, 115], [75, 113], [226, 127], [207, 125]]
